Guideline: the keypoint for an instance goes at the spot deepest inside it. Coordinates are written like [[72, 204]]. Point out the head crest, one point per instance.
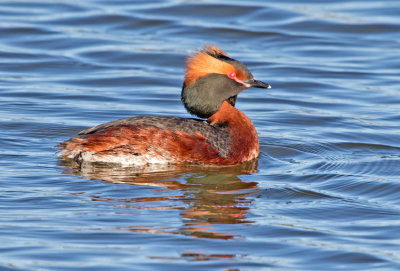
[[209, 60], [215, 51]]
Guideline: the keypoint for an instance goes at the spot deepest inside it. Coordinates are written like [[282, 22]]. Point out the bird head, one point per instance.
[[213, 77]]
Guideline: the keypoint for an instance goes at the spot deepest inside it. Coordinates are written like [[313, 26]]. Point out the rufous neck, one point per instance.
[[226, 114], [245, 144]]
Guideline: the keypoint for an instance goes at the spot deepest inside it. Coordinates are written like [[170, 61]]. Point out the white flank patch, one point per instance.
[[126, 159]]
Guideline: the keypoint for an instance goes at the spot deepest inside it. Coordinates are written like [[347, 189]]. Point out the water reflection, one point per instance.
[[197, 256], [205, 196]]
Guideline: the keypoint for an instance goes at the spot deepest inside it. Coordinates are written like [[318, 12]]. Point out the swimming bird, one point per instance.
[[222, 135]]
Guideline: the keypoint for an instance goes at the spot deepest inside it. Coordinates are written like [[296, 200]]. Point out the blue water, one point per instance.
[[323, 196]]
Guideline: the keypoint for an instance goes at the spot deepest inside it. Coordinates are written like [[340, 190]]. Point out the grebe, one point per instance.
[[210, 88]]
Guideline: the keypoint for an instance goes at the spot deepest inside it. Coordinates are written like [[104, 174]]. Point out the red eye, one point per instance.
[[231, 75]]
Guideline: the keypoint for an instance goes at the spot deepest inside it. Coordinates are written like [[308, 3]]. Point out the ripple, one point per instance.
[[363, 160], [17, 33], [231, 12]]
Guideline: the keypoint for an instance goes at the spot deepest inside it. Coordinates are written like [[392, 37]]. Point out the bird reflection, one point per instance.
[[207, 196]]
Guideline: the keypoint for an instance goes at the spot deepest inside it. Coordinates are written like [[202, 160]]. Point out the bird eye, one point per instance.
[[231, 75]]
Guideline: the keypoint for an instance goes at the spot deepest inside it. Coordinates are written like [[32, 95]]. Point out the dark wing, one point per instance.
[[217, 136]]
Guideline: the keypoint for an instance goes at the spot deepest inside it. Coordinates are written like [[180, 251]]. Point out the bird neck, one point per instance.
[[245, 144]]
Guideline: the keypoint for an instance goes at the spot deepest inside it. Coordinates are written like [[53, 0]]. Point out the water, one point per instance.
[[323, 196]]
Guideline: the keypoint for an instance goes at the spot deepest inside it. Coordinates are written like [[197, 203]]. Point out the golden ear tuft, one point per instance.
[[204, 62]]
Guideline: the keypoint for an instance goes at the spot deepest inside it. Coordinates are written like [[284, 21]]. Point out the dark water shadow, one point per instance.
[[205, 196]]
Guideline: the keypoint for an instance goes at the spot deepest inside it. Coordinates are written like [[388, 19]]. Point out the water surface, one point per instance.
[[324, 194]]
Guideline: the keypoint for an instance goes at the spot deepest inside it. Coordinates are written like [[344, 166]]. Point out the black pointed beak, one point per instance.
[[257, 84]]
